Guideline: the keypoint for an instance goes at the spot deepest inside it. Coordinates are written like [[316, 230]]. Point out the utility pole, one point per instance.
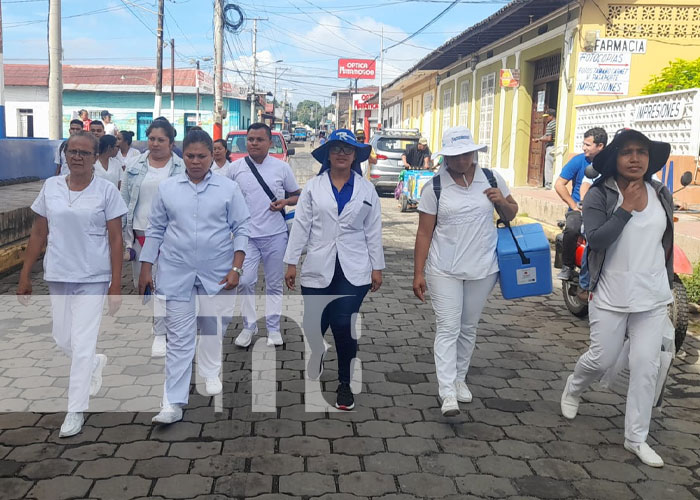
[[159, 61], [172, 81], [255, 64], [55, 72], [2, 84], [219, 69], [380, 120], [197, 80]]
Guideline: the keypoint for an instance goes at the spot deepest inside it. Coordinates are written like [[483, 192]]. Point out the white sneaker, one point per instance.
[[212, 386], [244, 338], [96, 378], [72, 424], [274, 338], [645, 453], [569, 403], [450, 408], [464, 395], [168, 414], [160, 343]]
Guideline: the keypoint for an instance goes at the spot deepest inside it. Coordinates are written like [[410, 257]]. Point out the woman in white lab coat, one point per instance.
[[78, 221], [192, 219], [338, 221]]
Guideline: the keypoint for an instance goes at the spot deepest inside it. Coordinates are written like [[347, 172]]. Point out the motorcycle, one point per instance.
[[576, 298]]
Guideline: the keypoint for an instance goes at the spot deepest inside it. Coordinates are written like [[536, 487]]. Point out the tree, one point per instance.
[[312, 113], [680, 74]]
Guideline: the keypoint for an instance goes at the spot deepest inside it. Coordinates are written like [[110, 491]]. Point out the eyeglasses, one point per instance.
[[81, 153], [342, 149]]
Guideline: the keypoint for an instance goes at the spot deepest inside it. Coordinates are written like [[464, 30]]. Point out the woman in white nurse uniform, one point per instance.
[[191, 222], [78, 218], [107, 166]]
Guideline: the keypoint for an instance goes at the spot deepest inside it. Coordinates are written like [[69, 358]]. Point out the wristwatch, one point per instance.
[[238, 270]]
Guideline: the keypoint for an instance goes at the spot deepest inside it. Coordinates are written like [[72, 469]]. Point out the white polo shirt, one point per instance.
[[464, 241], [78, 246], [279, 178]]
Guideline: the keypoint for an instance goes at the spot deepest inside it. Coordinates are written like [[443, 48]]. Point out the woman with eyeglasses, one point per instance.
[[338, 220], [139, 188], [107, 166], [78, 221]]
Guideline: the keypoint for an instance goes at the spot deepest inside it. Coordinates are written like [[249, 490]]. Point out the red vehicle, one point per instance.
[[236, 143]]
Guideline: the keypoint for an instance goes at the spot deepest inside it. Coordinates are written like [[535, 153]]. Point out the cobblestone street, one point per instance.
[[510, 442]]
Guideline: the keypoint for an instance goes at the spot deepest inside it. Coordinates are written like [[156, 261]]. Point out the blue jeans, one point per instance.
[[319, 314], [583, 276]]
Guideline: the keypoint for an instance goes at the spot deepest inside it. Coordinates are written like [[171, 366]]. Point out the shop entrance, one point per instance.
[[545, 94]]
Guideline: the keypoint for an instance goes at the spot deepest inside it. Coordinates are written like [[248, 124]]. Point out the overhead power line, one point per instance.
[[426, 25]]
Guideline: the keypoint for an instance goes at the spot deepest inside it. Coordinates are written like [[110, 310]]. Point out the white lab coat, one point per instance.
[[354, 236]]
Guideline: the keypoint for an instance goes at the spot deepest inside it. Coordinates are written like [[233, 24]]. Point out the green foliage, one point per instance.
[[692, 284], [678, 75], [311, 113]]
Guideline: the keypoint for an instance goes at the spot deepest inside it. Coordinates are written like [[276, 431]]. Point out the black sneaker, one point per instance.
[[345, 399]]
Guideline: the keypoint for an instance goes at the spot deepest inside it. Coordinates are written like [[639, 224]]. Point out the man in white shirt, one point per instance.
[[265, 182], [60, 156], [110, 128]]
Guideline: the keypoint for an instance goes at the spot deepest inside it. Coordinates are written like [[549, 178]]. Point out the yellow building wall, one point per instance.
[[413, 94], [671, 28], [446, 113]]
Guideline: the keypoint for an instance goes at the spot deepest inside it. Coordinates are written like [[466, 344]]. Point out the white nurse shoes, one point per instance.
[[274, 339], [569, 403], [159, 347], [96, 378], [464, 395], [72, 424], [645, 453], [169, 414], [450, 408], [245, 337], [212, 386]]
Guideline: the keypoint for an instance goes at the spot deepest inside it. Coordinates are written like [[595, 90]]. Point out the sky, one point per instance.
[[308, 36]]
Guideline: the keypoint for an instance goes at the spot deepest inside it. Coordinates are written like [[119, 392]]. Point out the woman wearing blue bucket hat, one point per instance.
[[338, 221]]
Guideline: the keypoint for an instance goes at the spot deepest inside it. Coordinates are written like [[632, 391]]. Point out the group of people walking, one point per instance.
[[201, 226]]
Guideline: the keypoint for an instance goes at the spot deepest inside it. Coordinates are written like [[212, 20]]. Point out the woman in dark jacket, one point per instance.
[[628, 218]]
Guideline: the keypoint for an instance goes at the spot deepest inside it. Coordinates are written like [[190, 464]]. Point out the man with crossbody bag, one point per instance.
[[265, 182]]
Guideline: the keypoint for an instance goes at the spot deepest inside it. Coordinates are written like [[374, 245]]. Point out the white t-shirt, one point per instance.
[[634, 278], [215, 169], [78, 246], [279, 177], [147, 192], [113, 172], [464, 242], [111, 129], [60, 158], [132, 153]]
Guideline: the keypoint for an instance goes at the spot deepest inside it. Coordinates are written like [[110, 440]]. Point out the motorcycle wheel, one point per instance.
[[678, 311], [575, 306]]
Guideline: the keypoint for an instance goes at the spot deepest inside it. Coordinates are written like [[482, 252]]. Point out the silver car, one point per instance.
[[389, 145], [287, 136]]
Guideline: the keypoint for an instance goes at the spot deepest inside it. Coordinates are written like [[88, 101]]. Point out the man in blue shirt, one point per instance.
[[594, 140]]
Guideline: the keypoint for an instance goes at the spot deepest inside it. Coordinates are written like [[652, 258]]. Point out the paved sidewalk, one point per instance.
[[510, 442]]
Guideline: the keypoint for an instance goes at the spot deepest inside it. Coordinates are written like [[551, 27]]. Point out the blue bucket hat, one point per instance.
[[346, 136]]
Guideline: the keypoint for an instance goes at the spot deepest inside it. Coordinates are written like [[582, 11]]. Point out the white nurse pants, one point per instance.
[[457, 304], [158, 321], [645, 331], [77, 312], [270, 250], [211, 315]]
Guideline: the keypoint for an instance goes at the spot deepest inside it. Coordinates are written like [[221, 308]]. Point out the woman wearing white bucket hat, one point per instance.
[[455, 253]]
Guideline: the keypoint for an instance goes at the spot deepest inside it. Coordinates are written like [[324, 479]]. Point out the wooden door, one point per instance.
[[535, 167]]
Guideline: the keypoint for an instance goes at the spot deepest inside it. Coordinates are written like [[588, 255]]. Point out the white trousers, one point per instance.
[[270, 250], [645, 331], [548, 165], [211, 315], [158, 321], [77, 312], [457, 304]]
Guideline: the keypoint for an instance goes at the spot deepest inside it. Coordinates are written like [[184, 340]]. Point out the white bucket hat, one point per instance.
[[457, 141]]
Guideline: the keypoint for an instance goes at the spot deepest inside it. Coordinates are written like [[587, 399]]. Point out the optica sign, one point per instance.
[[357, 68], [360, 101]]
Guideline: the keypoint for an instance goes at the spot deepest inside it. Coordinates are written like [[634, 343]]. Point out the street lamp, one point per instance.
[[254, 92], [196, 63]]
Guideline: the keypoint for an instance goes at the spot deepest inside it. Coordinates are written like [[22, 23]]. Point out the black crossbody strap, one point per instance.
[[262, 183], [437, 189], [492, 181]]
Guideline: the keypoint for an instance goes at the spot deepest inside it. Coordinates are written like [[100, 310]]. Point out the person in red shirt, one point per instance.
[[83, 114]]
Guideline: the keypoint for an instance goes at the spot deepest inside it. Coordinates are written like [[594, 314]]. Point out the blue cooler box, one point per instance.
[[524, 280]]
